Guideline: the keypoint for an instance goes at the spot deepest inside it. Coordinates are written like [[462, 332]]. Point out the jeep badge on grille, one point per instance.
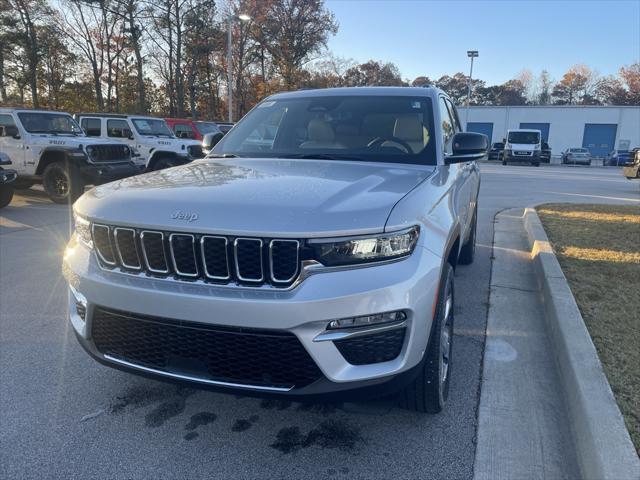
[[188, 216]]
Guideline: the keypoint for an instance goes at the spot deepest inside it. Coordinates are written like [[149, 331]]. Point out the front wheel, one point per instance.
[[165, 162], [429, 391], [504, 162], [62, 182], [6, 195], [537, 164]]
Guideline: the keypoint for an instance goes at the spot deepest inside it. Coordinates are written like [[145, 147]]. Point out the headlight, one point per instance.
[[83, 230], [386, 246]]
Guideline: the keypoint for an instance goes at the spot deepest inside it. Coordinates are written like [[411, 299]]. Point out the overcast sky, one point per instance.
[[431, 37]]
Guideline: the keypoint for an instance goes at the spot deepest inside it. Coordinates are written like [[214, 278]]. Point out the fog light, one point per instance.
[[80, 301], [366, 320]]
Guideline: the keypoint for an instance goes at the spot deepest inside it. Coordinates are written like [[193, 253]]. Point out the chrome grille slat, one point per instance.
[[102, 241], [220, 259], [244, 262], [147, 240], [125, 239], [212, 271], [183, 257]]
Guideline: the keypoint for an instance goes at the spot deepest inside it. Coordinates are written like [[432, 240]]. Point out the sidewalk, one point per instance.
[[522, 419]]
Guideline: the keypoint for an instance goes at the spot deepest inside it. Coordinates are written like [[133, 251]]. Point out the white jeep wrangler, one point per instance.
[[50, 148], [153, 143]]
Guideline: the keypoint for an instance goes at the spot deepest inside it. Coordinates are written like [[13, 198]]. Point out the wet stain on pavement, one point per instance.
[[163, 412], [243, 424], [137, 397], [321, 408], [191, 435], [202, 418], [328, 434], [270, 404]]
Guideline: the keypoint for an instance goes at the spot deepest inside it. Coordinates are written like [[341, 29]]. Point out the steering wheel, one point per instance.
[[378, 141]]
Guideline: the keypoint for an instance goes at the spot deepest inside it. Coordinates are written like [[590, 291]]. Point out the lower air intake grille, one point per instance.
[[233, 355], [376, 348]]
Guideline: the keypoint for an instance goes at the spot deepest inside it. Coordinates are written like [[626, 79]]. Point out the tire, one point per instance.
[[468, 251], [164, 162], [504, 162], [537, 164], [20, 184], [62, 182], [429, 391], [6, 194]]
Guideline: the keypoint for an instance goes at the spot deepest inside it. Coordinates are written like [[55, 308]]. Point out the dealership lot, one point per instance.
[[62, 412]]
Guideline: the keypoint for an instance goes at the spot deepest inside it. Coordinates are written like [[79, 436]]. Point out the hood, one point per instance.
[[69, 141], [258, 197]]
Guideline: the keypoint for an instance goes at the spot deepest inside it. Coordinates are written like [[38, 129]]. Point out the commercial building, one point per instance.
[[598, 128]]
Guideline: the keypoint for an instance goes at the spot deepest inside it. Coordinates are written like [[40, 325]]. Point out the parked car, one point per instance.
[[194, 129], [497, 148], [616, 158], [50, 148], [632, 168], [7, 177], [522, 145], [225, 126], [576, 156], [545, 153], [320, 265], [152, 141]]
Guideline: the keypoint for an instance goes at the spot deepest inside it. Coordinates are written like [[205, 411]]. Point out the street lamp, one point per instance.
[[471, 54], [244, 18]]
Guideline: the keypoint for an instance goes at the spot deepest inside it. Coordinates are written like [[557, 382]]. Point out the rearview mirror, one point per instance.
[[467, 147], [9, 131], [126, 133]]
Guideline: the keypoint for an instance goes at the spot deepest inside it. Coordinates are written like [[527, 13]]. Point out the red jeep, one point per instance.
[[185, 128]]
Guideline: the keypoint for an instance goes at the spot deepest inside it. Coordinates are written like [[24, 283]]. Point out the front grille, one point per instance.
[[375, 348], [234, 355], [192, 256], [108, 153]]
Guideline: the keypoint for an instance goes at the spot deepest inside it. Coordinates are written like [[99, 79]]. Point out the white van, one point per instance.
[[523, 145]]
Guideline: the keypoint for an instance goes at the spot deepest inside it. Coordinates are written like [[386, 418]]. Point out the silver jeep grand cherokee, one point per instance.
[[311, 254]]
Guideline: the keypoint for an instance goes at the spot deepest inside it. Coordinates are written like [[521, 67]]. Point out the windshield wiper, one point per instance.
[[222, 155], [322, 156]]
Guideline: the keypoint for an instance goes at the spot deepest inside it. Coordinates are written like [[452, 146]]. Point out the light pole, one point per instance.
[[471, 54], [243, 17]]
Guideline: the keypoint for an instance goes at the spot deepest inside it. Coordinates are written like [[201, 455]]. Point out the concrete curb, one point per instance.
[[603, 446]]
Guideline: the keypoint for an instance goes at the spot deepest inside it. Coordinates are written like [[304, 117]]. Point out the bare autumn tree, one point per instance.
[[576, 86], [294, 31], [630, 75], [22, 20]]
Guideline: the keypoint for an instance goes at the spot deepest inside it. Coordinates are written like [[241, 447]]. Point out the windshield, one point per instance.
[[152, 126], [370, 128], [524, 137], [55, 123], [206, 127], [498, 145]]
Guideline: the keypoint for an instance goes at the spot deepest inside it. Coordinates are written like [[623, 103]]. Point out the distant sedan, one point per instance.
[[617, 157], [496, 151], [576, 156]]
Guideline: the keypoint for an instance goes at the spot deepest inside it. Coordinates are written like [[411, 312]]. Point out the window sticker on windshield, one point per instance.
[[415, 104], [267, 104]]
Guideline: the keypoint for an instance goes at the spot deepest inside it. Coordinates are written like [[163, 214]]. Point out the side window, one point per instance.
[[446, 125], [117, 128], [183, 131], [91, 126], [453, 111], [7, 121]]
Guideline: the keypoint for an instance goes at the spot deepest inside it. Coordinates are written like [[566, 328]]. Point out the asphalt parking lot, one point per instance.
[[63, 415]]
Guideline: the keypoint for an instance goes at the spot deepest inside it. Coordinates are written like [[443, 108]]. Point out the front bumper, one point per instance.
[[409, 285], [511, 156], [106, 172]]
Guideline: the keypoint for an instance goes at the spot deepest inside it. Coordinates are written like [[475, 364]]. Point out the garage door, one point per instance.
[[599, 138], [481, 127], [543, 127]]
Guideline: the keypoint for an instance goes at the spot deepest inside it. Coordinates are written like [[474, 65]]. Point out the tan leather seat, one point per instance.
[[409, 128], [320, 134]]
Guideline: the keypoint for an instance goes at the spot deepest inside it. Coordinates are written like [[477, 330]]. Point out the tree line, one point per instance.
[[168, 57]]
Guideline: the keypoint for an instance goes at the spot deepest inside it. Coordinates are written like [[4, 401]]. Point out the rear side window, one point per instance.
[[117, 128], [183, 131], [91, 126], [7, 121]]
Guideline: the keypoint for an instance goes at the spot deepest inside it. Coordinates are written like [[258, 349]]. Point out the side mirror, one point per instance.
[[9, 131], [210, 140], [126, 133], [468, 147]]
